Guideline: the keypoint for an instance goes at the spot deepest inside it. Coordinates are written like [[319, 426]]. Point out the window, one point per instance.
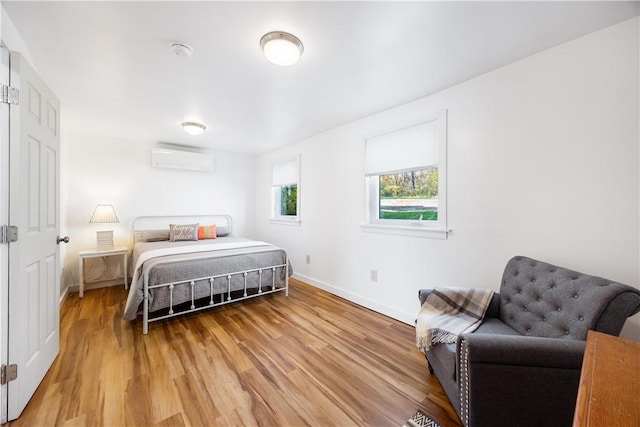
[[285, 204], [405, 177]]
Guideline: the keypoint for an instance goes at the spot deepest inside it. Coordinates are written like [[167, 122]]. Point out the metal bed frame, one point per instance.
[[145, 225]]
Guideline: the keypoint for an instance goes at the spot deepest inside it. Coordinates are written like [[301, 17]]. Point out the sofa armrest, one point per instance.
[[494, 307], [518, 380], [523, 350]]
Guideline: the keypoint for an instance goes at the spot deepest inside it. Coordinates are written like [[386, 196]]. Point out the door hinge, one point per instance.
[[8, 234], [8, 373], [10, 95]]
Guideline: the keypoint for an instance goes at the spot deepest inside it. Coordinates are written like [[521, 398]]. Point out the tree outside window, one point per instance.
[[411, 195], [289, 200]]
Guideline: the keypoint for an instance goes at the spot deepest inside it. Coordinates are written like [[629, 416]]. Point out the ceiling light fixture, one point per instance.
[[281, 48], [193, 128], [182, 50]]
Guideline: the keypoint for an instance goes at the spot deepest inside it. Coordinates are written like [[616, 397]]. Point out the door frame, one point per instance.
[[4, 220]]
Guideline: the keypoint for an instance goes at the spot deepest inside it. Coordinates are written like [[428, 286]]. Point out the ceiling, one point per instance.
[[111, 65]]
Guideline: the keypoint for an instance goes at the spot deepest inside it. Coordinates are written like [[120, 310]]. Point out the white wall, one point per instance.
[[99, 170], [543, 161], [12, 38]]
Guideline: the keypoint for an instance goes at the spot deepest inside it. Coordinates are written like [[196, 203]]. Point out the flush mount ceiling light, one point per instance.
[[182, 50], [281, 48], [193, 128]]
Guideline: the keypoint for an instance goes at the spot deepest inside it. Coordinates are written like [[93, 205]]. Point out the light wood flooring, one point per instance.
[[308, 359]]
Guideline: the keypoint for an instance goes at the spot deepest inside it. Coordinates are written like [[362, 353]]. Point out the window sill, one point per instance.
[[291, 222], [410, 230]]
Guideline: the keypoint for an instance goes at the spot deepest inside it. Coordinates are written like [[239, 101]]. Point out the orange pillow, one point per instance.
[[207, 232]]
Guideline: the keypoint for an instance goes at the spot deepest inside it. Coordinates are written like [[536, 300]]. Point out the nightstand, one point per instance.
[[103, 253]]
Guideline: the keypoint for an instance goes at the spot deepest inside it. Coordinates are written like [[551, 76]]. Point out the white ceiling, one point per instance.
[[111, 65]]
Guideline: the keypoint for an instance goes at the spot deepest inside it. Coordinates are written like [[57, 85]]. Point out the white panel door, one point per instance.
[[34, 282]]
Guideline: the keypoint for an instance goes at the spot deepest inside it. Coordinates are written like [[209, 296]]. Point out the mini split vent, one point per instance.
[[192, 161]]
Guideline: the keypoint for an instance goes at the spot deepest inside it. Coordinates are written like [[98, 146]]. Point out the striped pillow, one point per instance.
[[207, 232]]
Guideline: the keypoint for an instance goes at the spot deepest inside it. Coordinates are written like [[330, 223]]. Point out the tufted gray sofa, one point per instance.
[[521, 367]]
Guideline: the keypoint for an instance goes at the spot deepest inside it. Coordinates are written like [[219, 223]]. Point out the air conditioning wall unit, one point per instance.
[[182, 159]]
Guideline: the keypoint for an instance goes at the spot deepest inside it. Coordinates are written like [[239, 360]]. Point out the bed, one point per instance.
[[175, 274]]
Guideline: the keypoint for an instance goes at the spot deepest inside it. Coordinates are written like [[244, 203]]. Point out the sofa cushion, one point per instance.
[[495, 327], [446, 353]]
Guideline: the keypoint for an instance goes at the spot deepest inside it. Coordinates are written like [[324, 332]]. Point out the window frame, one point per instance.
[[425, 228], [276, 216]]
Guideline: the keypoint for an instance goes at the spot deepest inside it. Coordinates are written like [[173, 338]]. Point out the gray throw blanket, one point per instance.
[[449, 312]]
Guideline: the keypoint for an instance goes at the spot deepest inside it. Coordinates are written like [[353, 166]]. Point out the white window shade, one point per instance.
[[412, 148], [285, 173]]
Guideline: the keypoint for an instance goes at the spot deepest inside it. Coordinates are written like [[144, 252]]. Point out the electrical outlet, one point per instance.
[[308, 259], [374, 275]]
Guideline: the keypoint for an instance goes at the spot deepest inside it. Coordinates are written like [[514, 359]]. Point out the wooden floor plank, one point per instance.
[[308, 359]]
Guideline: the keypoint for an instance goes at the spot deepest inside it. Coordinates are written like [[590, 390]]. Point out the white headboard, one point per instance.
[[143, 226]]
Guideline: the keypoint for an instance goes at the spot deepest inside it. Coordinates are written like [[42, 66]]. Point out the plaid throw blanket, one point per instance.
[[449, 312]]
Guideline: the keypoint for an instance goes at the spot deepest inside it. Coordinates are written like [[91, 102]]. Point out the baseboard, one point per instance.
[[408, 318], [96, 285], [64, 295]]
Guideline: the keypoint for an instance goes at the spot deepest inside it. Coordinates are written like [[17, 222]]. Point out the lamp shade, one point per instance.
[[104, 214]]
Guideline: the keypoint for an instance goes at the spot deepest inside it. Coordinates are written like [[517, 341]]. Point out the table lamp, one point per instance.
[[104, 214]]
